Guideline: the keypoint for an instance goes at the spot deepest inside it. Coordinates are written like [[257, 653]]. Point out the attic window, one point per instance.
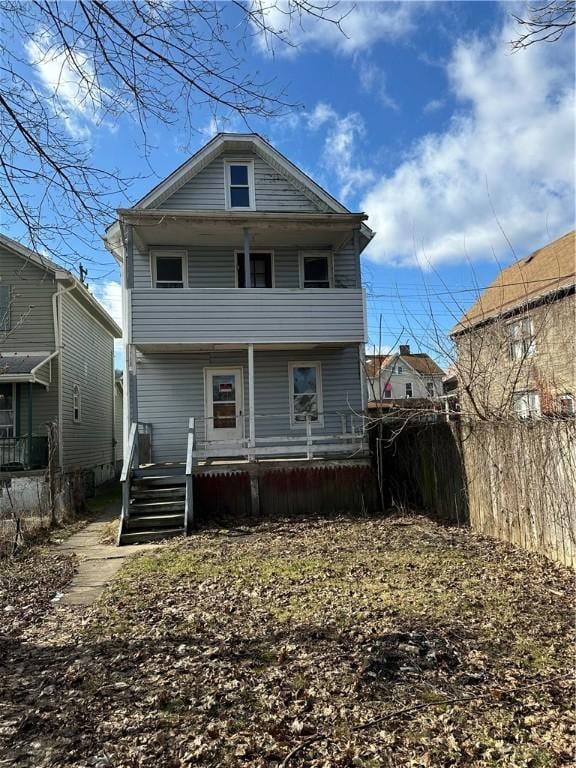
[[240, 185]]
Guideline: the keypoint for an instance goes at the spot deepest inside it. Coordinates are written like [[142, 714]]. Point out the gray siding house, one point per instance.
[[243, 311], [56, 367]]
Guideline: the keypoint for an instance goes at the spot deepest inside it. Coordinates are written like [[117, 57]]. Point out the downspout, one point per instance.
[[57, 320]]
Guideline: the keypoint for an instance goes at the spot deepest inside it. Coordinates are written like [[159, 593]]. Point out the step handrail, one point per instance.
[[125, 478], [189, 499]]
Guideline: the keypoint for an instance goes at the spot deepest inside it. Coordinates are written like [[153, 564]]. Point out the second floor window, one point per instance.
[[4, 307], [316, 270], [239, 185], [430, 388], [521, 339], [169, 270], [408, 389]]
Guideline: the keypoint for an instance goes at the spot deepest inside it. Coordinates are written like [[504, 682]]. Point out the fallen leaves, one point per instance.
[[320, 643]]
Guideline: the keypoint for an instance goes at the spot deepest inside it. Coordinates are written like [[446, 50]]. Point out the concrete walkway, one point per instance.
[[97, 563]]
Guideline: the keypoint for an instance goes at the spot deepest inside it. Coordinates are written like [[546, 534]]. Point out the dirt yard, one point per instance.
[[389, 642]]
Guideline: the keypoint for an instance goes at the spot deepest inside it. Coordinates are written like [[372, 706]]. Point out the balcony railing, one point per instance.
[[23, 453], [247, 315]]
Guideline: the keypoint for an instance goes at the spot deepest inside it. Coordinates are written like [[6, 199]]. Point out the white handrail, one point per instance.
[[125, 478], [189, 500]]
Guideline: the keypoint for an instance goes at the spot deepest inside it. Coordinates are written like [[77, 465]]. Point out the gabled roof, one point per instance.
[[419, 361], [251, 142], [35, 258], [549, 270], [82, 293]]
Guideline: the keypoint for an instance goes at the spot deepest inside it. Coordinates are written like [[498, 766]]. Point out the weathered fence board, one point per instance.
[[514, 480]]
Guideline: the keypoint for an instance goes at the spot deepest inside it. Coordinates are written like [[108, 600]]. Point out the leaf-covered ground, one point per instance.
[[388, 642]]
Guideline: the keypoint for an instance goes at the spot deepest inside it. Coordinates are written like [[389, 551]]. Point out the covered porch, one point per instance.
[[250, 401], [23, 435]]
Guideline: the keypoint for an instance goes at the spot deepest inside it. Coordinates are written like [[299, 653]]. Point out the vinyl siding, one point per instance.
[[206, 190], [214, 267], [171, 390], [247, 315], [44, 404], [86, 361], [31, 289]]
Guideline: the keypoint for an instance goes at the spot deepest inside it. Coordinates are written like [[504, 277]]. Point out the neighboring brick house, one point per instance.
[[403, 380], [515, 345]]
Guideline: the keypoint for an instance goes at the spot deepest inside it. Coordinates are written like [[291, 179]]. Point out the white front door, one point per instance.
[[224, 408]]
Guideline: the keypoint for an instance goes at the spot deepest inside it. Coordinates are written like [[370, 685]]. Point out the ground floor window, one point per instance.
[[408, 389], [6, 410], [526, 404], [76, 404], [305, 393]]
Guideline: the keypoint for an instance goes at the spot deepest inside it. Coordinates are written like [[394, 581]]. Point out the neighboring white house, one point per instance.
[[244, 310], [402, 376]]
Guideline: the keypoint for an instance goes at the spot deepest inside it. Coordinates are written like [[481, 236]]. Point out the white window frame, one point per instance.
[[529, 410], [251, 186], [173, 253], [13, 435], [398, 370], [76, 404], [319, 396], [430, 386], [240, 252], [527, 343], [388, 392], [302, 255], [406, 395]]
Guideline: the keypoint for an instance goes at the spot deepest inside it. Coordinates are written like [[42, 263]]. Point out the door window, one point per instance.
[[260, 270], [6, 411], [224, 401]]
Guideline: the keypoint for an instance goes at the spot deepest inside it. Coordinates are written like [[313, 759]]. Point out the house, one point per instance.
[[515, 345], [244, 312], [56, 368], [404, 380]]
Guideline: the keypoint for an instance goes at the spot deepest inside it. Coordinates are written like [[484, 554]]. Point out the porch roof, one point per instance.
[[17, 367], [226, 228]]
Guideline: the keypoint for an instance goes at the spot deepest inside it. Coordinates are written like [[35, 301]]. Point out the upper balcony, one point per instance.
[[189, 316]]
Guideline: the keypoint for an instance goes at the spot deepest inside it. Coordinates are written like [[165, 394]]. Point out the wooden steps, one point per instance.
[[156, 509]]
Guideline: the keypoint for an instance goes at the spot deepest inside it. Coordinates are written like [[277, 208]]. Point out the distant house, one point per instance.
[[404, 379], [515, 345], [56, 368]]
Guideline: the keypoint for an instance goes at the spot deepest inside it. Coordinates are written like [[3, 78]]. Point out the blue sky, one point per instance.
[[461, 152]]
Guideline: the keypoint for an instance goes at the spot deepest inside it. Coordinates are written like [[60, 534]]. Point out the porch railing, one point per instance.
[[23, 453], [309, 438]]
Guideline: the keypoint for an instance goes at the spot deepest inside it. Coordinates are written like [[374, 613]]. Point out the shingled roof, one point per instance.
[[419, 361], [546, 271]]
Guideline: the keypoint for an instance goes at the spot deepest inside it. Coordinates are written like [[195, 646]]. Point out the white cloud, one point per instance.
[[361, 25], [341, 147], [433, 106], [508, 153], [373, 80], [69, 79]]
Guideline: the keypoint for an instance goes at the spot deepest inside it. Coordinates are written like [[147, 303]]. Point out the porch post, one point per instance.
[[247, 275], [29, 423], [252, 416]]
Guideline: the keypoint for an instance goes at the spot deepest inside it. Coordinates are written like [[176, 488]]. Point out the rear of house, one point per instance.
[[244, 311]]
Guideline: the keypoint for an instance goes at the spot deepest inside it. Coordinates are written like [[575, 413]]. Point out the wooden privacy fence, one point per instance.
[[514, 480], [521, 478]]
